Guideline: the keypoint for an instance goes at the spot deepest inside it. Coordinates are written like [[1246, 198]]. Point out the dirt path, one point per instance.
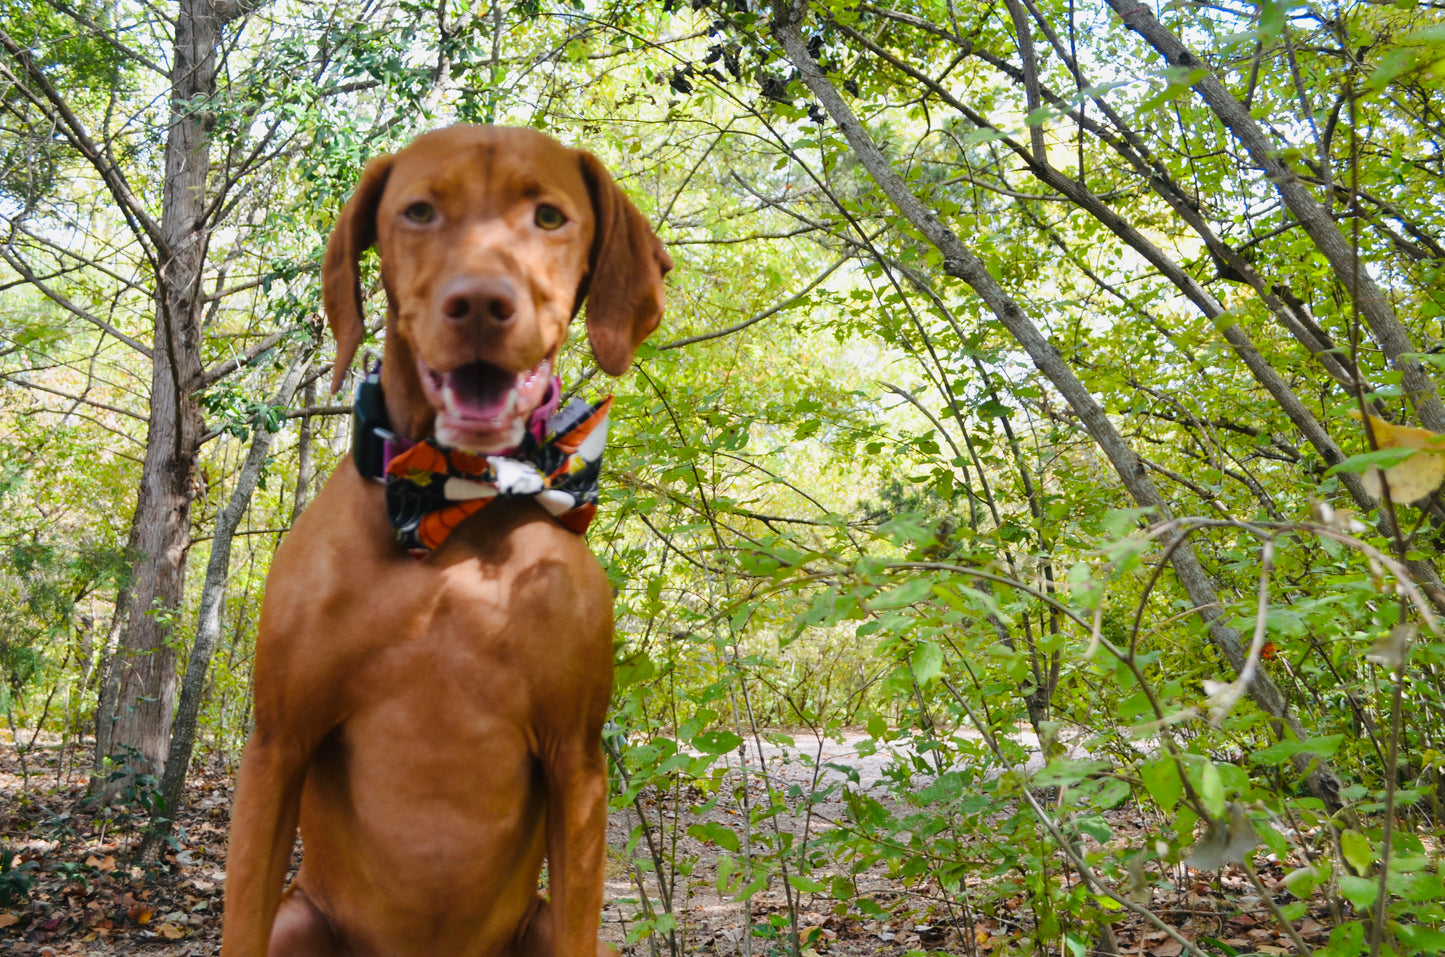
[[82, 898]]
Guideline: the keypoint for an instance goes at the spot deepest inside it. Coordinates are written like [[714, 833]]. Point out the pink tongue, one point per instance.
[[480, 390]]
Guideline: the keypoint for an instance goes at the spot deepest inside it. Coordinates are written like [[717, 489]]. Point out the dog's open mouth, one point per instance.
[[482, 407]]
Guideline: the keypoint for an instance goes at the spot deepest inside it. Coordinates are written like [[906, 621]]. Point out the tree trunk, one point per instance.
[[303, 456], [962, 263], [208, 623], [160, 530], [109, 680]]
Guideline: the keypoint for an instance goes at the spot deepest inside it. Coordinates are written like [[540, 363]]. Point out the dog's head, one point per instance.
[[490, 238]]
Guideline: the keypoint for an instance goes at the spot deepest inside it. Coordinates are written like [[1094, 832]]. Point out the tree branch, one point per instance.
[[55, 107], [12, 377], [7, 253]]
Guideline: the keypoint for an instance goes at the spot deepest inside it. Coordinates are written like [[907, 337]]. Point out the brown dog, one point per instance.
[[435, 724]]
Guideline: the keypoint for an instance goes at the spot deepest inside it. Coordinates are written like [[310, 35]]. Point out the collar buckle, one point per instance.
[[370, 428]]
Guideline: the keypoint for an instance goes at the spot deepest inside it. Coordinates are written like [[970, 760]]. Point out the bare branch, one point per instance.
[[17, 263], [16, 379], [223, 369], [110, 36], [766, 313], [53, 104]]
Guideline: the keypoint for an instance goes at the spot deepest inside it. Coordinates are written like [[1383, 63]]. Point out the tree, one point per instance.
[[1006, 382], [171, 195]]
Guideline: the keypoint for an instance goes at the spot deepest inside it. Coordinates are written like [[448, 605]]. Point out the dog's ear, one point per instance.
[[624, 283], [354, 234]]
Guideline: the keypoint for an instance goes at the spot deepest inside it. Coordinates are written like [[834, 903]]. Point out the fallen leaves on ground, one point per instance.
[[86, 898]]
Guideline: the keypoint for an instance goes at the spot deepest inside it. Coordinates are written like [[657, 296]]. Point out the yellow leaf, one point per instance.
[[1417, 476], [1391, 436]]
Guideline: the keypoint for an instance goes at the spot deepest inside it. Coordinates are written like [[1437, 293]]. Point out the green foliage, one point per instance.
[[862, 532], [14, 879]]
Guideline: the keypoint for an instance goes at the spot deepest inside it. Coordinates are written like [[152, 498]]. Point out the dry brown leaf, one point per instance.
[[1168, 948], [171, 931], [7, 919], [1417, 476]]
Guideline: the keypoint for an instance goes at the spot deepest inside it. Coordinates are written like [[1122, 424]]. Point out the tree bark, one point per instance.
[[208, 623], [160, 530], [109, 682], [303, 455], [962, 263]]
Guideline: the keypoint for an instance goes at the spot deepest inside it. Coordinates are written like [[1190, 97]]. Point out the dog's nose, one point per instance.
[[480, 301]]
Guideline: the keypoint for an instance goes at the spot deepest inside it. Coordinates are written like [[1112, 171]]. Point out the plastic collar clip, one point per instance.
[[370, 429]]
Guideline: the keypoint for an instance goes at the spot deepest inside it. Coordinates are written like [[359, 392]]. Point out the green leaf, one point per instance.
[[871, 908], [910, 592], [1418, 888], [1184, 825], [926, 661], [806, 885], [1211, 789], [633, 670], [1295, 910], [1346, 940], [1039, 116], [1420, 939], [719, 834], [1096, 827], [1162, 781], [1380, 458], [726, 865], [1301, 883], [1271, 19], [1360, 891], [1068, 771], [716, 742], [1281, 751], [757, 884], [1357, 851], [1277, 843]]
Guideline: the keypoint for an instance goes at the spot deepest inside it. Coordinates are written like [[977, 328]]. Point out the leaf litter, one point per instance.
[[83, 895]]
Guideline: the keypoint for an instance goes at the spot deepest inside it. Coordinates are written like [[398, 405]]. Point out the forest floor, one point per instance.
[[70, 888]]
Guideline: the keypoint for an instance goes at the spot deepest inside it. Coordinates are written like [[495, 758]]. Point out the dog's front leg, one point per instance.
[[263, 832], [576, 845]]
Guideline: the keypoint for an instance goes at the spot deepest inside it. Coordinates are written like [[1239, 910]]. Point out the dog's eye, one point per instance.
[[420, 212], [550, 217]]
